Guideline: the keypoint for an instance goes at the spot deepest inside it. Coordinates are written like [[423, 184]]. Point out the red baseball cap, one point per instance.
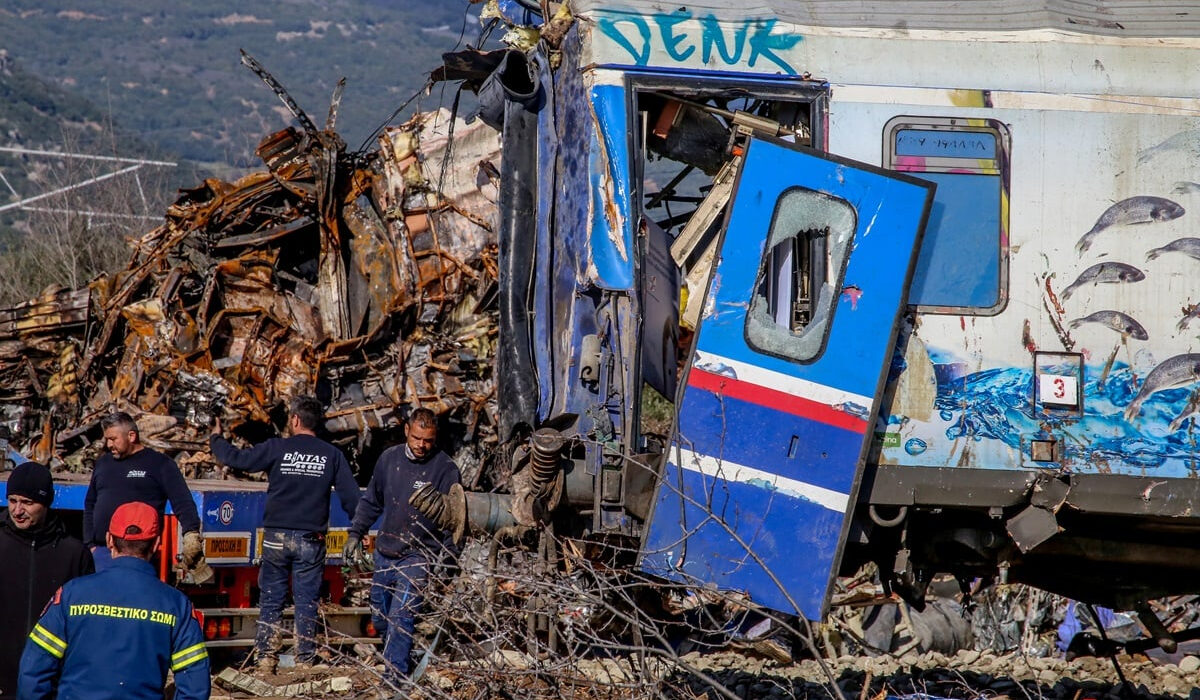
[[140, 517]]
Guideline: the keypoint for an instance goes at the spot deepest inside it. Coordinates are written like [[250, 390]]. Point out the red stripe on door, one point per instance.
[[776, 400]]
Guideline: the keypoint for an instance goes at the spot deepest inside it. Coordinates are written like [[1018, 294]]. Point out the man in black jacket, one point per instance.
[[407, 541], [37, 557], [130, 472], [303, 468]]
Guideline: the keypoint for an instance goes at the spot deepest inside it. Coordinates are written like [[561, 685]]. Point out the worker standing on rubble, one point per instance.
[[38, 555], [130, 472], [302, 470], [117, 633], [407, 541]]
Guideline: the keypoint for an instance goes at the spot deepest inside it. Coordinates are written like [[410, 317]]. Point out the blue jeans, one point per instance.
[[302, 555], [396, 588]]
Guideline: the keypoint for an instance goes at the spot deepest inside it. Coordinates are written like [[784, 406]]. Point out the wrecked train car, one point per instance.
[[368, 279], [903, 286], [965, 350]]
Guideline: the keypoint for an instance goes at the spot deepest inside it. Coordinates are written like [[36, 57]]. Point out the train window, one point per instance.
[[968, 161], [805, 256]]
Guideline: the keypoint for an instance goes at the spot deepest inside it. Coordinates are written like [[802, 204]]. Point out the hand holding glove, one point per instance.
[[447, 511], [193, 549], [353, 554], [192, 558]]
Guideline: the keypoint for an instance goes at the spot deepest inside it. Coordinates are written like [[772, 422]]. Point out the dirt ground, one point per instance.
[[968, 674]]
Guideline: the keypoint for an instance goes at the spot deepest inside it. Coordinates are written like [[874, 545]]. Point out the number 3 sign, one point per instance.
[[1057, 378], [1058, 390]]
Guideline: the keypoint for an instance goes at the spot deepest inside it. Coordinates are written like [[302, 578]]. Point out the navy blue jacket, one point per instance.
[[302, 470], [147, 476], [404, 530], [114, 635]]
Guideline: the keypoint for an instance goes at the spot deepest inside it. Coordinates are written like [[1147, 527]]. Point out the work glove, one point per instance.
[[353, 554], [430, 502], [192, 558], [193, 549], [447, 511]]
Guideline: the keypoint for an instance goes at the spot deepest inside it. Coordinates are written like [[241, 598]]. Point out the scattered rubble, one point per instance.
[[256, 687], [366, 278], [968, 674], [998, 618]]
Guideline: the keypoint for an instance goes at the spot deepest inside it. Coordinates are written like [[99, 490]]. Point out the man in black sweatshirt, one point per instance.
[[38, 556], [130, 472], [302, 470], [407, 541]]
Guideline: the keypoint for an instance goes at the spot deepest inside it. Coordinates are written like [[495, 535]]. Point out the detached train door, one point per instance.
[[790, 357]]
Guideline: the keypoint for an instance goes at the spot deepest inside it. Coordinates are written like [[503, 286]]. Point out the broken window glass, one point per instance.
[[811, 233]]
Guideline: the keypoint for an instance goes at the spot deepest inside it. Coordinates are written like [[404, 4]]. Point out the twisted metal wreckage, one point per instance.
[[552, 284], [367, 278]]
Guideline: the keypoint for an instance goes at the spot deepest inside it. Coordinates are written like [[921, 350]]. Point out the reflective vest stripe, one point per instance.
[[45, 645], [189, 656], [49, 637]]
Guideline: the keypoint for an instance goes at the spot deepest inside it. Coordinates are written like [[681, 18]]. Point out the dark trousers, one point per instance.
[[396, 588], [302, 555]]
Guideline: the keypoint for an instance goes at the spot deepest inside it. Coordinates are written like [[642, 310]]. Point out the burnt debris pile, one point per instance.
[[366, 278]]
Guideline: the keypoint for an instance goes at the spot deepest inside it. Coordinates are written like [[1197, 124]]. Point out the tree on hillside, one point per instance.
[[79, 224]]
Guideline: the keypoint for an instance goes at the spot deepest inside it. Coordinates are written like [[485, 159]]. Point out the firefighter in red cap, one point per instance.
[[117, 634]]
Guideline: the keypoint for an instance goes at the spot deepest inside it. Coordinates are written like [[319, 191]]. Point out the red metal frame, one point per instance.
[[167, 547]]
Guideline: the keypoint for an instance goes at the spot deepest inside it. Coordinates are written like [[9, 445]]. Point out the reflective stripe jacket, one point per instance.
[[115, 634]]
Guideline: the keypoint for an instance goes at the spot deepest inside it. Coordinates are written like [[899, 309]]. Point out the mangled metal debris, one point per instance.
[[366, 278], [243, 682]]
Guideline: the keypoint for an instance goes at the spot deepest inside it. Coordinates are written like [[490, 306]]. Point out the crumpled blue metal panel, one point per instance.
[[516, 14], [546, 296], [565, 296], [611, 227]]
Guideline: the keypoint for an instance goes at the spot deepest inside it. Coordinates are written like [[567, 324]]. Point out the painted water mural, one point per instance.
[[1133, 422]]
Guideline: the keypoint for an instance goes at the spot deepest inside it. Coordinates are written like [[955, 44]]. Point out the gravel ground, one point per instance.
[[966, 674]]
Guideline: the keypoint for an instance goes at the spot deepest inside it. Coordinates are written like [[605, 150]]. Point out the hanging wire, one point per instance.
[[371, 137], [1104, 635], [486, 32], [427, 86]]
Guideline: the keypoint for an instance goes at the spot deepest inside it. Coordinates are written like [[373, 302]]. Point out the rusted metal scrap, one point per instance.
[[367, 278]]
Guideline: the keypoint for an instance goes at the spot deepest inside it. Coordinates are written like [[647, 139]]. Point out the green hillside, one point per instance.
[[35, 115], [68, 237], [38, 114], [171, 74]]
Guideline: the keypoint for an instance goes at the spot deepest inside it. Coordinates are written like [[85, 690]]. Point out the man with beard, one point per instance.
[[407, 541], [38, 556], [130, 472]]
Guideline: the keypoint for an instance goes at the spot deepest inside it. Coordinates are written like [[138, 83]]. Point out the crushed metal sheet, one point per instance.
[[368, 279]]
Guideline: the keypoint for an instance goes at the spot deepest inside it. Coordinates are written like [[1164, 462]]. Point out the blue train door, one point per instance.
[[790, 357]]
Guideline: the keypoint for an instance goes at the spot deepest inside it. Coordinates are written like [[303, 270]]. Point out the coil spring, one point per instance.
[[547, 444]]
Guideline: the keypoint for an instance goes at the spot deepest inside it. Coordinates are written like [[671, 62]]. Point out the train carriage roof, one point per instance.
[[1118, 19]]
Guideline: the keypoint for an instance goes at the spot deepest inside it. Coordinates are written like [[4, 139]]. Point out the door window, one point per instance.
[[800, 274]]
